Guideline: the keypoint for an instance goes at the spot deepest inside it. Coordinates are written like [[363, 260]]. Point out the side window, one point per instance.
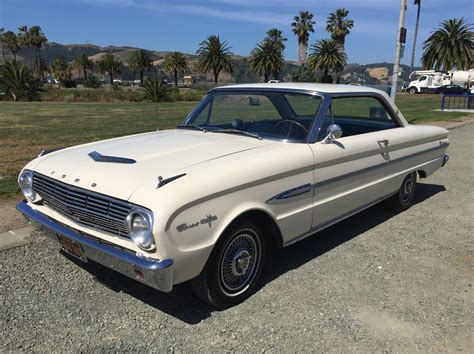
[[364, 108], [359, 115]]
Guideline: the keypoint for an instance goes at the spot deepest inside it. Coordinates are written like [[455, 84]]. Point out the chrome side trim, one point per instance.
[[97, 156], [157, 274], [291, 193], [326, 224]]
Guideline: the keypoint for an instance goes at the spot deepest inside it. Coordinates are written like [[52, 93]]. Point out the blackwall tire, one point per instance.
[[403, 199]]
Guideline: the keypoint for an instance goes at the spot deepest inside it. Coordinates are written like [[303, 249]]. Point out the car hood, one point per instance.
[[165, 153]]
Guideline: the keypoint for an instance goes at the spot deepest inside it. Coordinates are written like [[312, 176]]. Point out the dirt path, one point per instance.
[[9, 217]]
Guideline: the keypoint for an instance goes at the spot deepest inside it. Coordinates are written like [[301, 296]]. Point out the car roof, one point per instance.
[[302, 86]]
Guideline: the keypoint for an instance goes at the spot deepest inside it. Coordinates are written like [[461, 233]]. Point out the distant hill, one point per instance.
[[377, 73]]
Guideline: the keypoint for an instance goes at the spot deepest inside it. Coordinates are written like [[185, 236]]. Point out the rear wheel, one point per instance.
[[234, 267], [403, 200]]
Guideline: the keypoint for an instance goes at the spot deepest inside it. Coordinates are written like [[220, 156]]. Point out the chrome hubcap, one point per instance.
[[239, 264], [407, 188]]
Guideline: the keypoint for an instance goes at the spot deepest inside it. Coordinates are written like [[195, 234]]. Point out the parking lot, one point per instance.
[[375, 282]]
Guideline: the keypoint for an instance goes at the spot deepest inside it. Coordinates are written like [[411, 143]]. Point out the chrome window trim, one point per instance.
[[201, 106]]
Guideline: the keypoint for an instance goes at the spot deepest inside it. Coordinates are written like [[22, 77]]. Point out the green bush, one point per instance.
[[17, 82], [92, 82]]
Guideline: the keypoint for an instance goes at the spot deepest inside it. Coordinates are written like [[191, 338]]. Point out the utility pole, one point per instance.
[[401, 39]]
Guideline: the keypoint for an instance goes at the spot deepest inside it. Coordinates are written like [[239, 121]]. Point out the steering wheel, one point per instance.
[[292, 122]]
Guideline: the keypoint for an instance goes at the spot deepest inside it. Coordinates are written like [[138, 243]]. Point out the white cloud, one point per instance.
[[244, 16]]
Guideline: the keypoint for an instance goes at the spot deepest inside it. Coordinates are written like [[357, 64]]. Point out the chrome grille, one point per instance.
[[83, 206]]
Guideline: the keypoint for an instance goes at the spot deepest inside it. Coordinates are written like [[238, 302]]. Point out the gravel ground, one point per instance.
[[375, 282]]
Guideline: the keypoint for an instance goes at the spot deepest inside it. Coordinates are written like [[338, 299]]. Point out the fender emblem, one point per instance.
[[208, 220]]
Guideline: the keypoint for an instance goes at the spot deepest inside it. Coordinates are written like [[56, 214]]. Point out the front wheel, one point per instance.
[[412, 91], [233, 270], [403, 199]]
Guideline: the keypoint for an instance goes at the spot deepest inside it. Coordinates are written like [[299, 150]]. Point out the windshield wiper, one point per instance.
[[237, 131], [195, 127]]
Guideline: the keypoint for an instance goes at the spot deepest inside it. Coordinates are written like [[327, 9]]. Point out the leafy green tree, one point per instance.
[[61, 71], [17, 82], [418, 3], [449, 47], [111, 66], [302, 26], [2, 31], [266, 58], [83, 63], [176, 63], [141, 61], [33, 38], [10, 40], [214, 55], [339, 26], [327, 55]]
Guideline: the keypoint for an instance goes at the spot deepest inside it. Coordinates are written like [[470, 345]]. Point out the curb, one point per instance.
[[449, 124], [15, 238]]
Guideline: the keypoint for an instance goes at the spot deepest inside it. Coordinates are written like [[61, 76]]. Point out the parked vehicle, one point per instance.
[[429, 81], [452, 89], [252, 165]]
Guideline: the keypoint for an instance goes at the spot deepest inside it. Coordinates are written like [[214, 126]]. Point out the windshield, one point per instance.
[[271, 115]]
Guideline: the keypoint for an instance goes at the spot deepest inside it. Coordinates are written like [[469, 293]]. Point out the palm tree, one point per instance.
[[276, 36], [176, 63], [327, 55], [339, 26], [450, 46], [141, 61], [111, 66], [214, 55], [10, 40], [302, 25], [83, 63], [418, 3], [17, 81], [266, 58], [34, 38], [61, 70]]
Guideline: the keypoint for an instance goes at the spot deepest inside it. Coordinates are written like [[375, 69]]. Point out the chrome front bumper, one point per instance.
[[155, 273]]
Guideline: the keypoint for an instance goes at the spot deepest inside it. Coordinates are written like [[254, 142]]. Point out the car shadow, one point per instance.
[[183, 305]]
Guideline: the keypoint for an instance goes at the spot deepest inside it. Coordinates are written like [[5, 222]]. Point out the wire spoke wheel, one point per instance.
[[239, 262]]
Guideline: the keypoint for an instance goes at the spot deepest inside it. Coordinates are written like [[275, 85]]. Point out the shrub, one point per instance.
[[92, 82], [17, 82], [156, 87]]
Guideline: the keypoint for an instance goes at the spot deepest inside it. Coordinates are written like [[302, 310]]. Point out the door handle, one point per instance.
[[383, 142]]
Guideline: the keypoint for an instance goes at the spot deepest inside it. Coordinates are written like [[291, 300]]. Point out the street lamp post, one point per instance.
[[401, 38]]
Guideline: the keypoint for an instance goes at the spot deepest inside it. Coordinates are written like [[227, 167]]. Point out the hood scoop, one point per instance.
[[97, 156]]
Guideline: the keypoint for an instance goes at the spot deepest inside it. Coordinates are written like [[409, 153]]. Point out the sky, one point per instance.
[[181, 25]]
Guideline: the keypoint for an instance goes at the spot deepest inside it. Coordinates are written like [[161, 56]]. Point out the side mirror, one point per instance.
[[334, 132]]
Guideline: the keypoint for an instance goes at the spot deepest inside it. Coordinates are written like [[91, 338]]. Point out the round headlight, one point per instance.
[[26, 184], [139, 225]]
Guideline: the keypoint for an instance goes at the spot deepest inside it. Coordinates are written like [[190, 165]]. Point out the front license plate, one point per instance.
[[72, 247]]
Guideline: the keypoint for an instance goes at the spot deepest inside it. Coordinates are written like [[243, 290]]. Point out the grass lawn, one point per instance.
[[27, 128]]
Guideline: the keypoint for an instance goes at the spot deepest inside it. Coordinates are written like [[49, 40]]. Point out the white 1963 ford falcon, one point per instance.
[[251, 165]]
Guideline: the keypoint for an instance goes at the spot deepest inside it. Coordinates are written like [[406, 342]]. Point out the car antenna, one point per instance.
[[155, 84]]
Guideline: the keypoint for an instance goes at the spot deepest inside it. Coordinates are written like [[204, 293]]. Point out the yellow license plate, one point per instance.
[[72, 247]]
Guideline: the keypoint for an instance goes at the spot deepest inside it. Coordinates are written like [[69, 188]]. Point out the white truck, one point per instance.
[[427, 81]]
